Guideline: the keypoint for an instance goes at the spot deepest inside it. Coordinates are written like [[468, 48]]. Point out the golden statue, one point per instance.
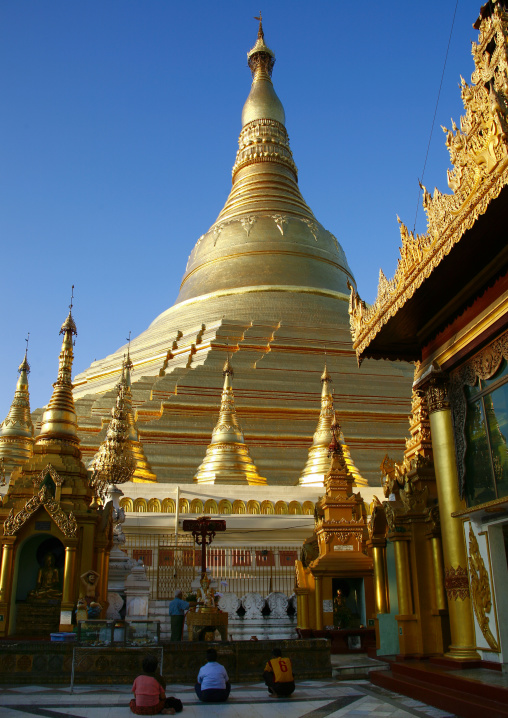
[[48, 580], [89, 584]]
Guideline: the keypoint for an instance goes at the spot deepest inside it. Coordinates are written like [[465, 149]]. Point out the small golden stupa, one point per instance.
[[17, 430], [227, 459], [318, 461]]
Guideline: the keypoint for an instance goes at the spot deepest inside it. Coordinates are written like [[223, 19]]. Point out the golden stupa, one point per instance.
[[227, 459], [268, 284]]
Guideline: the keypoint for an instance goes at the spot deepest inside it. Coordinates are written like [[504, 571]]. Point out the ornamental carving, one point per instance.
[[480, 589], [248, 223], [280, 222], [67, 524], [437, 394], [482, 366], [479, 155], [37, 480], [456, 583], [312, 226], [414, 499]]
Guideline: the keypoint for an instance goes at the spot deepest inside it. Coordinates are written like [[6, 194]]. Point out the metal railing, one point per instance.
[[260, 569]]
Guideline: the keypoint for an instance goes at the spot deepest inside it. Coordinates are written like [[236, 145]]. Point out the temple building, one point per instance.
[[265, 290], [442, 534]]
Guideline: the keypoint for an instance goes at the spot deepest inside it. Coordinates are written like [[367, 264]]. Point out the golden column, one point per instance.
[[6, 570], [378, 548], [463, 647], [319, 602], [302, 610], [69, 575], [404, 594]]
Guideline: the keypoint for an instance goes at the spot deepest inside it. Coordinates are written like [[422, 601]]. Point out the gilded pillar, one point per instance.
[[319, 602], [454, 549], [6, 571], [302, 611], [437, 565], [404, 593], [380, 583], [69, 576]]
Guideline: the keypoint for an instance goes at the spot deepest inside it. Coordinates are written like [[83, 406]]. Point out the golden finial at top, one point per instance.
[[325, 376], [227, 369], [69, 325], [25, 366], [261, 34]]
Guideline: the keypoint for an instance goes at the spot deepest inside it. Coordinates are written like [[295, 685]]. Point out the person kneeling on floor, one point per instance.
[[213, 684], [150, 692], [278, 675]]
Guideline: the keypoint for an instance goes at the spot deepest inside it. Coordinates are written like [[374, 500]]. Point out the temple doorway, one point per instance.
[[352, 613], [37, 584]]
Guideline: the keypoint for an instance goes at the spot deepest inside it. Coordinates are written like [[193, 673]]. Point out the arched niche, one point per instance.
[[267, 508], [30, 559], [168, 506], [126, 503], [238, 507], [196, 506], [140, 505], [281, 508], [154, 506], [308, 508], [184, 506], [211, 507], [225, 506], [295, 508], [253, 507]]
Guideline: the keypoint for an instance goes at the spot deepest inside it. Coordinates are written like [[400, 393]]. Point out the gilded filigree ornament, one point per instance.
[[48, 469], [414, 499], [280, 221], [437, 394], [114, 463], [312, 226], [248, 223], [480, 589], [456, 583], [66, 523], [479, 156]]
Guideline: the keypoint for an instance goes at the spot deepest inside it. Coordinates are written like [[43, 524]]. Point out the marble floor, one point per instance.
[[312, 699]]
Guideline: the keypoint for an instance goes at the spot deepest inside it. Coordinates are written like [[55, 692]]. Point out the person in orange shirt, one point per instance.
[[278, 675]]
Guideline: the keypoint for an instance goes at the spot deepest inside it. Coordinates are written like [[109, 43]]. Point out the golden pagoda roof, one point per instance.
[[59, 419], [479, 157], [16, 431], [265, 234], [227, 459]]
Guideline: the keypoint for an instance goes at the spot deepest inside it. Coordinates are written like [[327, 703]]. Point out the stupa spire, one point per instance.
[[59, 418], [17, 431], [227, 459], [318, 461], [114, 463], [143, 471]]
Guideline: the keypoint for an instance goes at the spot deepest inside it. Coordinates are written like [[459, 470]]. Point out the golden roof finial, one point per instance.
[[59, 419], [24, 367], [227, 459], [261, 35], [325, 376]]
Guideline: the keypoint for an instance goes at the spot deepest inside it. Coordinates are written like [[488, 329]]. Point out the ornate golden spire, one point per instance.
[[227, 459], [59, 418], [143, 471], [318, 461], [114, 463], [16, 431]]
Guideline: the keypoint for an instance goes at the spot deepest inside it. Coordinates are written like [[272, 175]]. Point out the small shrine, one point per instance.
[[55, 539], [205, 618], [335, 576]]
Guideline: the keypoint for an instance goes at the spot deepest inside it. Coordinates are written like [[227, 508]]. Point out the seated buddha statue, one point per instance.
[[48, 581]]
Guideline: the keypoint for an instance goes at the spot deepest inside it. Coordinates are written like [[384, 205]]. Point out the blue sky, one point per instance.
[[119, 128]]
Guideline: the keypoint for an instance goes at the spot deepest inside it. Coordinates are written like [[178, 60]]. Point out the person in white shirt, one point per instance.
[[213, 684]]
